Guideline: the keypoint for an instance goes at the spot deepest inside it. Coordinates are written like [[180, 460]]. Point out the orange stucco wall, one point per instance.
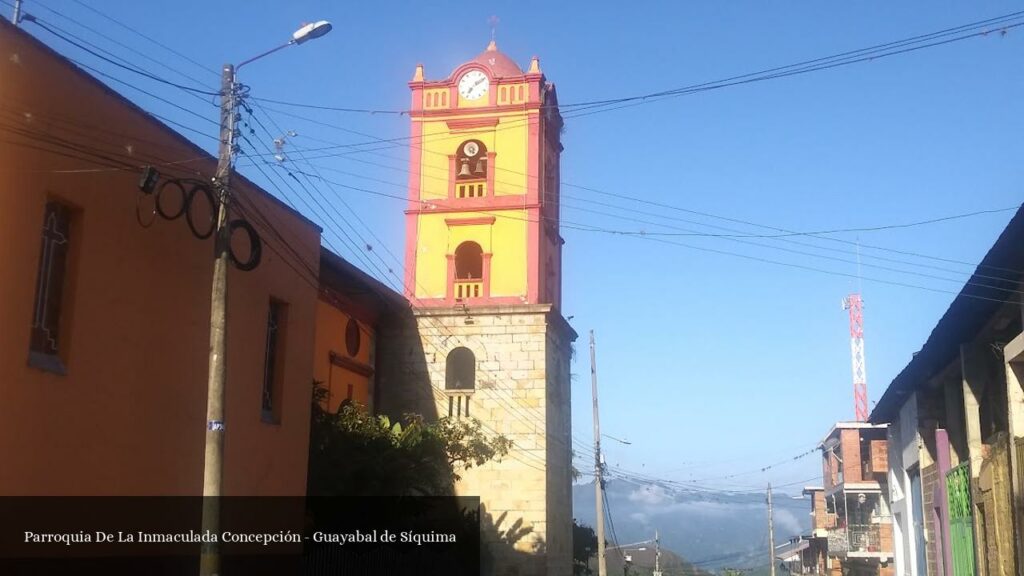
[[128, 418], [331, 323]]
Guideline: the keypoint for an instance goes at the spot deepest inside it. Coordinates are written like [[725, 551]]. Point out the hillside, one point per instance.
[[712, 530]]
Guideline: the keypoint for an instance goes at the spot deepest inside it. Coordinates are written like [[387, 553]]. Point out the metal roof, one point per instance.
[[978, 300]]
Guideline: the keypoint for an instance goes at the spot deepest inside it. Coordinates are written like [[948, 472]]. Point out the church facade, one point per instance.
[[487, 339]]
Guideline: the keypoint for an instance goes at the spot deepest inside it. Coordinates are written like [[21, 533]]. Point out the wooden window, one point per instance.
[[47, 343], [273, 362]]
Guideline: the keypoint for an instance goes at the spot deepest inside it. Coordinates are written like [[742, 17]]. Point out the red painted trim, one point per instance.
[[451, 176], [454, 77], [469, 221], [417, 96], [487, 273], [490, 174], [449, 291], [533, 256], [533, 261], [533, 83], [471, 123], [443, 206], [412, 218], [444, 302], [533, 153], [481, 110]]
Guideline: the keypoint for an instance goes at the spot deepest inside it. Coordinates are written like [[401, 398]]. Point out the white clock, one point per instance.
[[473, 85]]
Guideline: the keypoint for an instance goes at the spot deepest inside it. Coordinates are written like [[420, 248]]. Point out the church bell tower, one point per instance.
[[483, 277]]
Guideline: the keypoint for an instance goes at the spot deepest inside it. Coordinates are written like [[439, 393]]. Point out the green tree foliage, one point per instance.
[[584, 547], [354, 453]]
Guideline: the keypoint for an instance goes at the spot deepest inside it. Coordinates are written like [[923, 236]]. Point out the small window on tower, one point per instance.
[[460, 370], [471, 161], [469, 261]]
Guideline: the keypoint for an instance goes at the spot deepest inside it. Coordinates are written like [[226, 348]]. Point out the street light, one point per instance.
[[302, 35], [209, 564]]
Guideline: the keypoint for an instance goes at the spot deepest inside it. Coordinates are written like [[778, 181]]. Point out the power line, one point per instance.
[[788, 264], [988, 22], [590, 228], [781, 235], [146, 37], [875, 52], [106, 37], [622, 232], [35, 20], [833, 231]]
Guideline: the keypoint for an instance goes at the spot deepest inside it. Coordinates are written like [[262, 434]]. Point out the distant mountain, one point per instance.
[[711, 529], [641, 563]]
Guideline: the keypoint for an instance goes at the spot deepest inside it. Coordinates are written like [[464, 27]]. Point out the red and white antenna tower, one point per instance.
[[855, 306]]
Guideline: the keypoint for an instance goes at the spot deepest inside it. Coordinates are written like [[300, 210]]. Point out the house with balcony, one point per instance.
[[851, 510]]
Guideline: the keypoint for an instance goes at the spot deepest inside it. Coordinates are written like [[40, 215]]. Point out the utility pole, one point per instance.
[[771, 533], [657, 555], [602, 567], [214, 462]]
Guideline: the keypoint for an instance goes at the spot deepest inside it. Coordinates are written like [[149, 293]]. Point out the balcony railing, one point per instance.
[[469, 289], [855, 538], [471, 190]]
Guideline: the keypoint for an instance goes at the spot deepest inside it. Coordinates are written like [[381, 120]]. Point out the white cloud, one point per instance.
[[650, 495]]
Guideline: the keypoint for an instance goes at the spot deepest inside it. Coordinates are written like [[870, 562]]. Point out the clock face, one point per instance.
[[473, 85]]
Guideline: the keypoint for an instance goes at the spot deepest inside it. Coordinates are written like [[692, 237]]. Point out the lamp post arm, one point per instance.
[[267, 53]]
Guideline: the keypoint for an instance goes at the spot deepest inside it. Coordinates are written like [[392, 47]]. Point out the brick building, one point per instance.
[[852, 532]]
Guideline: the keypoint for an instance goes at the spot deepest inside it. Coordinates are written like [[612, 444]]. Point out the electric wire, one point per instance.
[[35, 20], [781, 233], [589, 228], [875, 52], [623, 232], [116, 42]]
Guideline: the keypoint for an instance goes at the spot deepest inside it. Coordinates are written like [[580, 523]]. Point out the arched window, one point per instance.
[[469, 261], [471, 161], [460, 370]]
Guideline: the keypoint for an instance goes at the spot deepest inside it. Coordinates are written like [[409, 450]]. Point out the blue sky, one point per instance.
[[709, 364]]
